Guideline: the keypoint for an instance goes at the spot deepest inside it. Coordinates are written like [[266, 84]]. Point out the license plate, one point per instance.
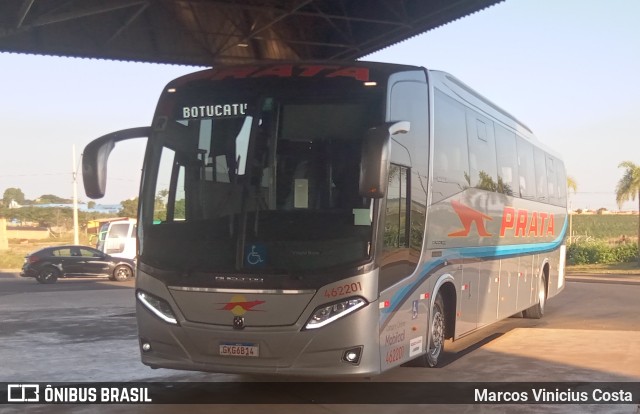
[[239, 350]]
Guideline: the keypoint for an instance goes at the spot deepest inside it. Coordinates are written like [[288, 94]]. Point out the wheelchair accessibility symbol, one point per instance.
[[255, 255]]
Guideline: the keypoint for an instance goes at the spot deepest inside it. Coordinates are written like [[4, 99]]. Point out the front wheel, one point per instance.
[[437, 332], [122, 273], [48, 275]]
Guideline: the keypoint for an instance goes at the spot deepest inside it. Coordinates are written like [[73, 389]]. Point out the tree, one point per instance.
[[572, 184], [129, 208], [53, 199], [13, 194], [628, 188], [91, 205]]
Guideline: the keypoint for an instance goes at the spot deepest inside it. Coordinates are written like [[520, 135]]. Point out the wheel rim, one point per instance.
[[542, 294], [437, 335], [122, 273], [47, 275]]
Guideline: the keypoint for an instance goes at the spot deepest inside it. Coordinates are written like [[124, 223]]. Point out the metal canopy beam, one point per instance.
[[210, 32]]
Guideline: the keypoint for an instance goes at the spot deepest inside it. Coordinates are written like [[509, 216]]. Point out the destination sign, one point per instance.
[[214, 111]]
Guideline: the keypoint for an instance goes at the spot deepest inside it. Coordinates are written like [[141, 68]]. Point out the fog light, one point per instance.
[[352, 356], [146, 347]]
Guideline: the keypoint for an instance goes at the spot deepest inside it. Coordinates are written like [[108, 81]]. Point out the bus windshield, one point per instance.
[[239, 181]]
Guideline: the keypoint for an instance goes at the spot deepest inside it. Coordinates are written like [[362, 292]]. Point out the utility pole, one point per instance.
[[76, 238]]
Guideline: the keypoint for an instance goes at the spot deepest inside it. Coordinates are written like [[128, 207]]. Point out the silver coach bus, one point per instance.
[[334, 218]]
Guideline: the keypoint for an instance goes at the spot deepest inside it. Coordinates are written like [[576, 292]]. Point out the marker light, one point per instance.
[[157, 306], [326, 314]]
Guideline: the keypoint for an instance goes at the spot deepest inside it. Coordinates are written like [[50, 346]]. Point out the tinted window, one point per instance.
[[507, 161], [88, 253], [119, 230], [541, 176], [403, 230], [552, 181], [562, 183], [526, 169], [482, 156], [409, 103], [450, 164]]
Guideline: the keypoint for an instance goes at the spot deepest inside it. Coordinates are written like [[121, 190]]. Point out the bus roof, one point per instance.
[[453, 86]]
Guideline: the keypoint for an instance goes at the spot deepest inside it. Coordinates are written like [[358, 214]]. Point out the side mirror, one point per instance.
[[374, 160], [96, 155]]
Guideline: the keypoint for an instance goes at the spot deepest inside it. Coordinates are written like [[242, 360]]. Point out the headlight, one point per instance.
[[326, 314], [158, 306]]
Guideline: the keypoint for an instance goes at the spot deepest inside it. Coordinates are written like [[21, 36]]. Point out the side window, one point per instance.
[[396, 229], [409, 103], [541, 175], [552, 181], [526, 170], [450, 158], [170, 189], [66, 252], [401, 248], [507, 161], [176, 197], [482, 157], [562, 183], [119, 230], [87, 253]]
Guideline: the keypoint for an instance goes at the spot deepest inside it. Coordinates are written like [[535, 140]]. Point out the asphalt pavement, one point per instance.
[[84, 330]]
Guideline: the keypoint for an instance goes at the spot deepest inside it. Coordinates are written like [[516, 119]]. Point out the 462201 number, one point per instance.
[[343, 290], [394, 354]]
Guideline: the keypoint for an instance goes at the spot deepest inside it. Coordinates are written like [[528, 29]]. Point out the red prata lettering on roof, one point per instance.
[[233, 72], [280, 71], [538, 224], [288, 71], [361, 74], [309, 71]]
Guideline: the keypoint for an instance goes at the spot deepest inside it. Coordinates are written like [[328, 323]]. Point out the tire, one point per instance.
[[48, 275], [122, 273], [437, 333], [537, 310]]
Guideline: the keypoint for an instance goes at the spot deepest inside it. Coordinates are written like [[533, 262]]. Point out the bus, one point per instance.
[[334, 219], [117, 237]]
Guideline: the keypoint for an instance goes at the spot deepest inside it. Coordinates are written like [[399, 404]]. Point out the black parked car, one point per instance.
[[50, 263]]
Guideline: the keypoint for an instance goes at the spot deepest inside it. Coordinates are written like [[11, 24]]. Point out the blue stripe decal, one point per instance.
[[482, 252]]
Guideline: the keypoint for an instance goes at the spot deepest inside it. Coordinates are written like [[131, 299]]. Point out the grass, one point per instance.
[[605, 227], [608, 269], [14, 257]]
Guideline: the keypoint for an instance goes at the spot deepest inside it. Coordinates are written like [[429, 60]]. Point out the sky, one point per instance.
[[568, 69]]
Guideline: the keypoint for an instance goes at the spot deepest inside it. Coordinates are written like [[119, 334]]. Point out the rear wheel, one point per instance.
[[122, 273], [437, 332], [537, 310], [48, 275]]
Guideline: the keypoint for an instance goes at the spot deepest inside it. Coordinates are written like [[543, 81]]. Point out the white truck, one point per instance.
[[118, 238]]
